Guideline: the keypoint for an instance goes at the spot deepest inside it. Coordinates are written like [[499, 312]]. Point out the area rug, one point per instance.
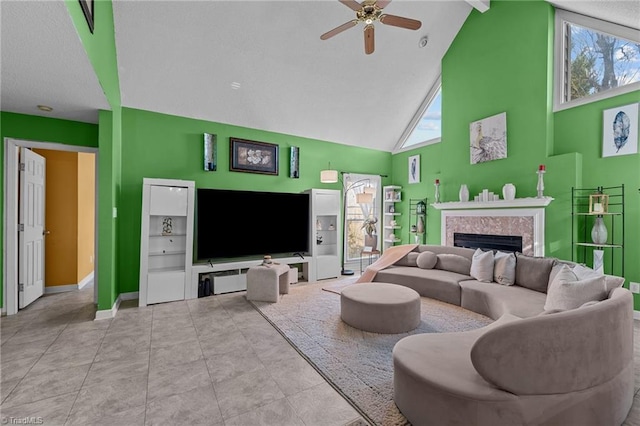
[[356, 363]]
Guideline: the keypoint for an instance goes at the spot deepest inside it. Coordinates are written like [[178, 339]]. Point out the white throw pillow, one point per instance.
[[610, 281], [482, 266], [504, 268], [566, 291]]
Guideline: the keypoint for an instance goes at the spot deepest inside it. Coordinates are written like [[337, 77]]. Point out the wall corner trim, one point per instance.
[[111, 313]]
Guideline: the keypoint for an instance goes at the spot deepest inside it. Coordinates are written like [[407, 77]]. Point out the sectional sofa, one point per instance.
[[532, 366]]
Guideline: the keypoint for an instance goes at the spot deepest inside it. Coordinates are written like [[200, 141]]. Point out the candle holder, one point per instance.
[[540, 186], [437, 194]]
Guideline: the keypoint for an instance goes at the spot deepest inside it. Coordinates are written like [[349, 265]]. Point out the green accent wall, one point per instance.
[[101, 51], [41, 129], [502, 61], [163, 146]]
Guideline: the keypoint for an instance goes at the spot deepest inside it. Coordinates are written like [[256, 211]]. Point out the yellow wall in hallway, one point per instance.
[[86, 213], [61, 217]]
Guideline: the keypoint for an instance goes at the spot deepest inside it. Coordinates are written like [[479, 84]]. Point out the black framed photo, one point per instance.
[[253, 157], [87, 9]]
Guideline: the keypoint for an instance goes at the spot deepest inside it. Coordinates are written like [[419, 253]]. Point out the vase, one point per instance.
[[420, 225], [371, 241], [464, 193], [599, 232], [509, 191]]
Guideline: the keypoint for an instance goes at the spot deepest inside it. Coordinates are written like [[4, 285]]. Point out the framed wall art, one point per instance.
[[414, 169], [210, 152], [620, 131], [294, 162], [488, 138], [253, 157]]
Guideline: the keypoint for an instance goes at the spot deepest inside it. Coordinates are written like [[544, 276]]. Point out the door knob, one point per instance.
[[46, 232]]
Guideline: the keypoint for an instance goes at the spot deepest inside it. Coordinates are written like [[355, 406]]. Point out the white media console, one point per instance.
[[232, 276]]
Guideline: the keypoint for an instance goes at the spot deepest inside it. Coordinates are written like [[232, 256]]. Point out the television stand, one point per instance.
[[233, 275]]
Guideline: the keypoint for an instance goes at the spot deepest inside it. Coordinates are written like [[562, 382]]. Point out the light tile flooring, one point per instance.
[[211, 361]]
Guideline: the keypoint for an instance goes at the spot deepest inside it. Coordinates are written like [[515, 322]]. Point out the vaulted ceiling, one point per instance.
[[259, 64]]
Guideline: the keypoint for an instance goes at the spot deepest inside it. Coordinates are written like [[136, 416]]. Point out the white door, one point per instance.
[[31, 245]]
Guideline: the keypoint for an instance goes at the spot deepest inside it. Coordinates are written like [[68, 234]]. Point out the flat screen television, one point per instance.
[[235, 224]]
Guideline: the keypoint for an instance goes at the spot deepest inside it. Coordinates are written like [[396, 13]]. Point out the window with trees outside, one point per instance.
[[426, 126], [594, 59], [356, 213]]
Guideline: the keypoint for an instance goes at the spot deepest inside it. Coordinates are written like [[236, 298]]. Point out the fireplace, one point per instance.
[[511, 243]]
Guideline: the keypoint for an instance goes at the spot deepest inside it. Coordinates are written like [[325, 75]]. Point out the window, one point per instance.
[[426, 126], [356, 213], [594, 60]]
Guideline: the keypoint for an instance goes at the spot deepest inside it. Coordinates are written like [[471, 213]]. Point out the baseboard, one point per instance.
[[69, 287], [60, 288], [636, 315], [86, 281], [111, 313]]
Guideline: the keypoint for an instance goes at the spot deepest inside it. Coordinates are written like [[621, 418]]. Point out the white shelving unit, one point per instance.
[[325, 225], [166, 243], [391, 195]]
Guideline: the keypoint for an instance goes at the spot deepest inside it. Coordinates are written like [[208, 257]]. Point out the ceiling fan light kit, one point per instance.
[[368, 12]]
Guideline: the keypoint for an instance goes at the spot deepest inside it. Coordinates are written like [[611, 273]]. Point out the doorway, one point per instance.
[[11, 215]]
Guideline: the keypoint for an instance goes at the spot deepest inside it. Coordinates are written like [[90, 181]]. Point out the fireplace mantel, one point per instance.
[[522, 216], [500, 204]]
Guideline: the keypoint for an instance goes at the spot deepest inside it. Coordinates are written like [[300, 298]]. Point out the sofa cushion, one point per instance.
[[454, 263], [482, 266], [533, 272], [504, 268], [432, 283], [495, 300], [611, 281], [408, 260], [427, 260], [567, 292]]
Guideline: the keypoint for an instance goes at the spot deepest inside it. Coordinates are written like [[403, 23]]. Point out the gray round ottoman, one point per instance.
[[380, 307]]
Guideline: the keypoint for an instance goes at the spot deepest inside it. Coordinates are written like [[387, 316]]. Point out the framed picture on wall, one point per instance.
[[620, 131], [87, 9], [253, 157], [414, 169]]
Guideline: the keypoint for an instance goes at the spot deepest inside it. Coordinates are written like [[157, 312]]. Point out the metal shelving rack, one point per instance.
[[418, 237], [582, 221]]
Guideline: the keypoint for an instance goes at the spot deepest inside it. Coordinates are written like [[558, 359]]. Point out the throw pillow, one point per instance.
[[453, 263], [482, 266], [408, 260], [504, 268], [567, 292], [610, 281], [427, 260], [533, 272]]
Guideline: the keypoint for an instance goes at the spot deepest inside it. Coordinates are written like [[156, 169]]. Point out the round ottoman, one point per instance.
[[380, 307]]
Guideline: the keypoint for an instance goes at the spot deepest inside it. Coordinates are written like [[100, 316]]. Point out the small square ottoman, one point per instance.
[[265, 283]]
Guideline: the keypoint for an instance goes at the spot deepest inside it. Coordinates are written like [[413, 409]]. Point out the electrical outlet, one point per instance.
[[635, 287]]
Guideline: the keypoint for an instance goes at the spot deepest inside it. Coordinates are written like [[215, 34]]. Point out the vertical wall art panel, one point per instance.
[[294, 162], [210, 153]]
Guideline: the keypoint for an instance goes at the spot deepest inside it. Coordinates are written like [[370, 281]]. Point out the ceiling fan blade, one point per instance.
[[339, 29], [369, 44], [398, 21], [351, 4], [383, 3]]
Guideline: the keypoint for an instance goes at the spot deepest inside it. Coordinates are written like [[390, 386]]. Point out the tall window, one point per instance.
[[356, 213], [594, 59], [426, 126]]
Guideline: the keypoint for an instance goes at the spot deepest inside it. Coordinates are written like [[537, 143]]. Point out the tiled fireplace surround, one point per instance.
[[525, 222]]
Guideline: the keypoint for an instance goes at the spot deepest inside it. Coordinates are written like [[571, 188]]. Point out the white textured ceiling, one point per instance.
[[44, 63], [180, 57]]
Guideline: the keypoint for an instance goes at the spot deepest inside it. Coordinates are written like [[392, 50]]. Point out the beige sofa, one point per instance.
[[530, 367]]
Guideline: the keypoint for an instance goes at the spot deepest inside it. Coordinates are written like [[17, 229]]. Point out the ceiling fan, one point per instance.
[[368, 12]]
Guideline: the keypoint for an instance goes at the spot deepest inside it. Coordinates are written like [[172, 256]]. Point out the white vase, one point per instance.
[[599, 232], [464, 193], [509, 191], [420, 225]]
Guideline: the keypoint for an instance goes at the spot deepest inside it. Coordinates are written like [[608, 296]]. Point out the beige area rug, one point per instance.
[[357, 363]]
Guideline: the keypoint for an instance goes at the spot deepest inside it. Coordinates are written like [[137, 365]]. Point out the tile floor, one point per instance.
[[212, 361]]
